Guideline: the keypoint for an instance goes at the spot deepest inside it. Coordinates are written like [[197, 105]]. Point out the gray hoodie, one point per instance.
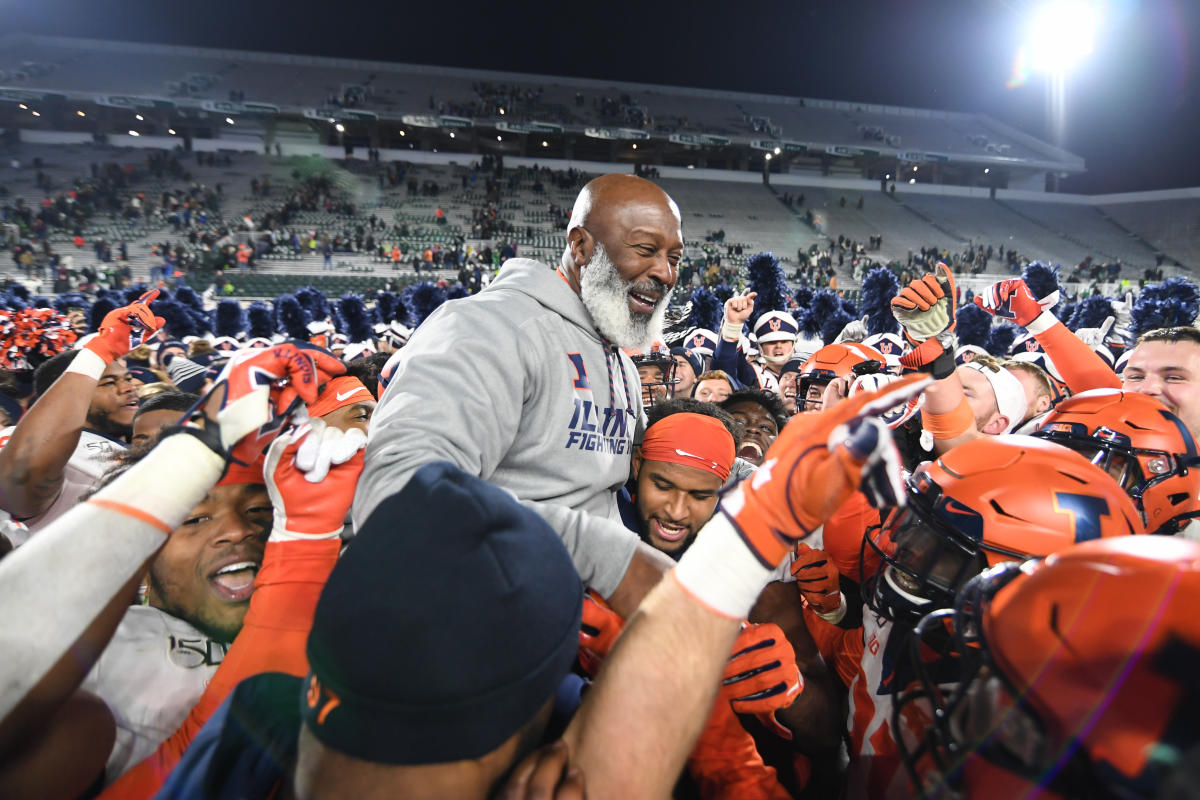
[[514, 385]]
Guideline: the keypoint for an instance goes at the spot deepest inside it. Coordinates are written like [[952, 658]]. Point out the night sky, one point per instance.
[[1133, 113]]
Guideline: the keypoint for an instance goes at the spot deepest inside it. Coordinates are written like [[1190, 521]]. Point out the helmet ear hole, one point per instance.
[[1178, 497]]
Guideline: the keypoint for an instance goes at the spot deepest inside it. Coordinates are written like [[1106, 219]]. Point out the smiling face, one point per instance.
[[114, 402], [1170, 373], [205, 572], [760, 430], [673, 501], [625, 240]]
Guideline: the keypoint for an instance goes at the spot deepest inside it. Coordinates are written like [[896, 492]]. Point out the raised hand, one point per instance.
[[817, 462], [123, 329], [301, 512]]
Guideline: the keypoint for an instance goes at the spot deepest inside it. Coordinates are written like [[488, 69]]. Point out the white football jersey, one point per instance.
[[150, 675], [92, 457]]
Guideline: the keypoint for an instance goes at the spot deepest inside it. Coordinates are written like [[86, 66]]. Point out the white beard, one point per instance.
[[605, 295]]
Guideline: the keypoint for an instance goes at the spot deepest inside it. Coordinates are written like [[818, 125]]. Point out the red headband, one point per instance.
[[692, 440], [340, 392]]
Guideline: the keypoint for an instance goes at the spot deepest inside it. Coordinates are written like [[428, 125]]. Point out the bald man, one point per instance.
[[524, 384]]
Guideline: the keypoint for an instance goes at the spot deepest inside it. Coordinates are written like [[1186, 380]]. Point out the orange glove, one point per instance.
[[926, 310], [259, 390], [814, 465], [1012, 300], [301, 510], [761, 676], [818, 579], [123, 329], [598, 631]]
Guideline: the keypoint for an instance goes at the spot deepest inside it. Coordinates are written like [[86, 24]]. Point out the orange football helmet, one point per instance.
[[1078, 674], [990, 500], [833, 361], [1141, 444]]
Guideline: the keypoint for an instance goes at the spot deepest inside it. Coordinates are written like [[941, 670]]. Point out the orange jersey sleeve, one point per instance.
[[1080, 367]]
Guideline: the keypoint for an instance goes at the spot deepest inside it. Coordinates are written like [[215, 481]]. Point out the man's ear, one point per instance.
[[636, 462], [581, 245], [996, 425]]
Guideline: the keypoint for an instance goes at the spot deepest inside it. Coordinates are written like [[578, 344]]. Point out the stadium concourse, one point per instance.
[[471, 471]]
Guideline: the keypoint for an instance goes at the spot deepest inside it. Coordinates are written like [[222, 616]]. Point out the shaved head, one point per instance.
[[624, 244], [610, 192]]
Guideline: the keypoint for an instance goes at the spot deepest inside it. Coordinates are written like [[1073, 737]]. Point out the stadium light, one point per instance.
[[987, 170], [402, 133], [545, 143], [171, 131], [451, 136], [499, 138], [502, 112], [914, 169], [912, 180], [229, 120], [768, 156], [22, 106], [777, 151], [887, 177], [36, 113], [80, 113], [1062, 33], [340, 128], [635, 145], [134, 133], [139, 118]]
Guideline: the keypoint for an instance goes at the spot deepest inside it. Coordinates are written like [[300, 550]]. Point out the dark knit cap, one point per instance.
[[447, 624], [695, 359]]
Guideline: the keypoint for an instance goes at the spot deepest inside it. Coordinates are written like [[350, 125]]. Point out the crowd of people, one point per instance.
[[545, 540]]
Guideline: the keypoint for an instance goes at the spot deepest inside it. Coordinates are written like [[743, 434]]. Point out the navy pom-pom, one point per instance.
[[1001, 339], [293, 317], [230, 318], [803, 295], [833, 325], [187, 296], [100, 310], [1171, 303], [723, 291], [385, 304], [706, 309], [1041, 279], [878, 289], [354, 314], [766, 279], [1090, 313], [973, 326], [262, 320], [177, 322], [824, 304], [422, 299]]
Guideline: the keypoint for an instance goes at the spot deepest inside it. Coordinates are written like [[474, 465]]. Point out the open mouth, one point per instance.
[[669, 533], [643, 302], [751, 451], [235, 582]]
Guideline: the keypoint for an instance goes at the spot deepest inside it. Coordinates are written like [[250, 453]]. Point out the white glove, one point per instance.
[[1094, 337], [855, 331], [326, 446]]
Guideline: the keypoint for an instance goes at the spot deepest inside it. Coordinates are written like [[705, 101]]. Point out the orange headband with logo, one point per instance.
[[342, 391], [692, 440]]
